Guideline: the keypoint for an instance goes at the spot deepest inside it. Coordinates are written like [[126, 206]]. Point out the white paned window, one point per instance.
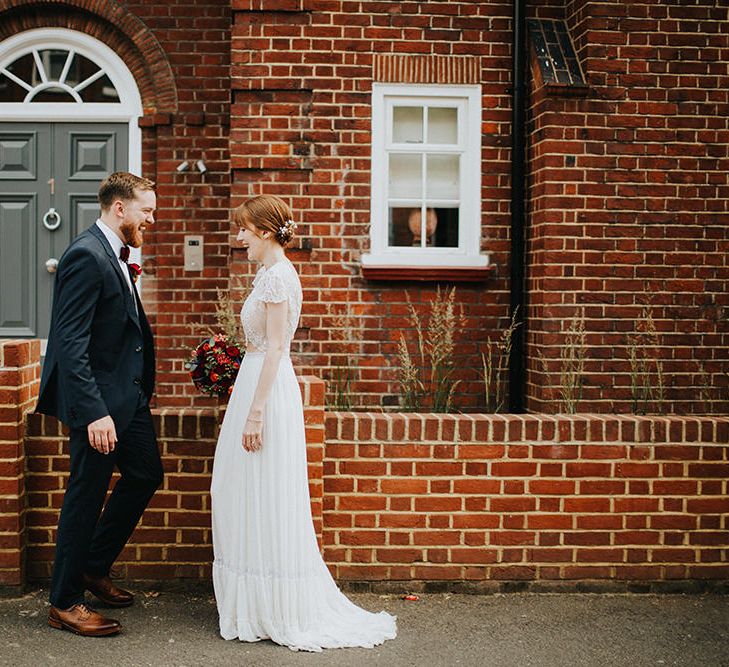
[[426, 177]]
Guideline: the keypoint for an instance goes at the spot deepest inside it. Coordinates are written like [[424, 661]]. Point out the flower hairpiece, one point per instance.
[[289, 224]]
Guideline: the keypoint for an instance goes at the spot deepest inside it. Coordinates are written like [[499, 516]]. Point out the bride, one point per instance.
[[269, 577]]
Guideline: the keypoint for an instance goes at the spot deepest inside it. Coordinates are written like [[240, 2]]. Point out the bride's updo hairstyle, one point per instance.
[[267, 213]]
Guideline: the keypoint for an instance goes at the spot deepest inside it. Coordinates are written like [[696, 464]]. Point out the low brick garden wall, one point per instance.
[[465, 502], [480, 499], [173, 539]]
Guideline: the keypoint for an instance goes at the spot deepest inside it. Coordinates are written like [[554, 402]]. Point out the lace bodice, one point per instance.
[[278, 283]]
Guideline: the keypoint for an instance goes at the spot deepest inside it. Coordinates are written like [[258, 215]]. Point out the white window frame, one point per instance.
[[467, 98], [127, 110]]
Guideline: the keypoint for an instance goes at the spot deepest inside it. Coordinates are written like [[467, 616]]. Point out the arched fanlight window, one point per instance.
[[62, 75], [55, 75]]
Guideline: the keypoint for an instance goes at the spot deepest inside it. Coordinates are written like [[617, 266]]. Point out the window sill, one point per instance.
[[464, 274]]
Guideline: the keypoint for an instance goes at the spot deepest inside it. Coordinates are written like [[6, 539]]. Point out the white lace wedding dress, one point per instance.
[[270, 579]]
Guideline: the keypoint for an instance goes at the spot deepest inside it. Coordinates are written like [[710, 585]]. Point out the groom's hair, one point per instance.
[[121, 185]]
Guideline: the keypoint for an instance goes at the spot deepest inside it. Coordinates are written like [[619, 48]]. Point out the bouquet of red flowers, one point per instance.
[[214, 365]]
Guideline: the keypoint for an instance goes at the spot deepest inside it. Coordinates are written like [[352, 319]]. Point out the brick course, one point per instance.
[[19, 381]]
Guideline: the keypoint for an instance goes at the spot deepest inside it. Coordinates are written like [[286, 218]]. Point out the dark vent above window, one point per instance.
[[554, 51]]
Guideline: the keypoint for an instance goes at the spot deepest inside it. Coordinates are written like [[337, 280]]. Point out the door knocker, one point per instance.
[[52, 220]]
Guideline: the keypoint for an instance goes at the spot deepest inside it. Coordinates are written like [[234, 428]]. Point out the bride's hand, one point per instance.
[[252, 434]]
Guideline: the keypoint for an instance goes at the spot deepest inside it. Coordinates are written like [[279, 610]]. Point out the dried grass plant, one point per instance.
[[439, 346], [495, 364], [348, 334], [705, 389], [572, 364], [435, 351], [411, 388], [227, 314], [647, 385]]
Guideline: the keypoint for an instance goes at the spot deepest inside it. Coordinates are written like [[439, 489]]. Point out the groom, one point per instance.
[[98, 378]]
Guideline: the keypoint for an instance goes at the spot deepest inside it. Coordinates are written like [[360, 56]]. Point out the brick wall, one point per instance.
[[173, 539], [628, 186], [19, 381], [628, 180], [302, 74], [179, 53], [194, 36], [471, 500], [628, 198], [483, 499]]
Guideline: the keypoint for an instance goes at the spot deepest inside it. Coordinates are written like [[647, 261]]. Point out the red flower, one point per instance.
[[136, 271], [213, 368]]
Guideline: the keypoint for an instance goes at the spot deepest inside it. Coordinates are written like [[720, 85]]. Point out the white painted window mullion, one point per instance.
[[89, 81], [17, 79], [39, 66], [66, 66]]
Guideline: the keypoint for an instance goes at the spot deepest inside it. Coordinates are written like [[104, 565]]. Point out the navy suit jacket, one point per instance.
[[100, 352]]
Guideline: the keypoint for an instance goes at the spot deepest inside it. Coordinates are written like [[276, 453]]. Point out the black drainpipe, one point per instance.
[[517, 305]]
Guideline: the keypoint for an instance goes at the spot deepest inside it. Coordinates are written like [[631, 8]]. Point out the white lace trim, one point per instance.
[[272, 288], [273, 285]]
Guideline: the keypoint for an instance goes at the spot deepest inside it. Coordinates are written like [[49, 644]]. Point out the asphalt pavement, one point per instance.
[[179, 629]]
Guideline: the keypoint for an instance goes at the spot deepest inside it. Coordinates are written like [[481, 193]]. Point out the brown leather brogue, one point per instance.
[[104, 589], [83, 621]]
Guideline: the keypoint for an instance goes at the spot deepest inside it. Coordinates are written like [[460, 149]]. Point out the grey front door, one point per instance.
[[49, 177]]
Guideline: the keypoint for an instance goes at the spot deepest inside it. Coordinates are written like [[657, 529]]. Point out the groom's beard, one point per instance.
[[132, 236]]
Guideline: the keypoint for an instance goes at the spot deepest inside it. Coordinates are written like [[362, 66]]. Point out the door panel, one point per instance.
[[92, 154], [46, 166], [18, 155], [17, 274], [84, 210], [24, 175]]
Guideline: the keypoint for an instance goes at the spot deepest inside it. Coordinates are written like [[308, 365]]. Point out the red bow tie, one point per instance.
[[124, 253]]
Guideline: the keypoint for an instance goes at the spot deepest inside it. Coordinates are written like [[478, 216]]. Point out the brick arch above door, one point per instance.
[[109, 22]]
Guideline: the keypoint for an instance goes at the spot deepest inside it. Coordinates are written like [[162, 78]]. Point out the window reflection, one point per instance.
[[407, 228], [442, 125], [405, 177], [407, 125]]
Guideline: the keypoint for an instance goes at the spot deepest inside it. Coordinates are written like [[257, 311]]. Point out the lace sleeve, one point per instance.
[[273, 289]]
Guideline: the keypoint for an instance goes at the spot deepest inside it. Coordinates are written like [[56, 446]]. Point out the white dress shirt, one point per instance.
[[116, 245]]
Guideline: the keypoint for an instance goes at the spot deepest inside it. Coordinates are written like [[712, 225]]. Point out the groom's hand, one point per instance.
[[102, 435]]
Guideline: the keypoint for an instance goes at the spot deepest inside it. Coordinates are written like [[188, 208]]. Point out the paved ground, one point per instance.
[[180, 629]]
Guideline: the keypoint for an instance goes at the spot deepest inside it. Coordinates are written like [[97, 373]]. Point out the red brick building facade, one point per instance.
[[626, 174]]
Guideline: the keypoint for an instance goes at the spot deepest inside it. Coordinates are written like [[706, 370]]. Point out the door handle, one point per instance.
[[52, 265], [52, 219]]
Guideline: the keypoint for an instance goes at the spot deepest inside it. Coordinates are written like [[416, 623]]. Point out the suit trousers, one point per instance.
[[87, 543]]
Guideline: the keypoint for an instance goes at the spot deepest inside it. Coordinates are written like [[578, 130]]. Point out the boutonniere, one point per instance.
[[136, 271]]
